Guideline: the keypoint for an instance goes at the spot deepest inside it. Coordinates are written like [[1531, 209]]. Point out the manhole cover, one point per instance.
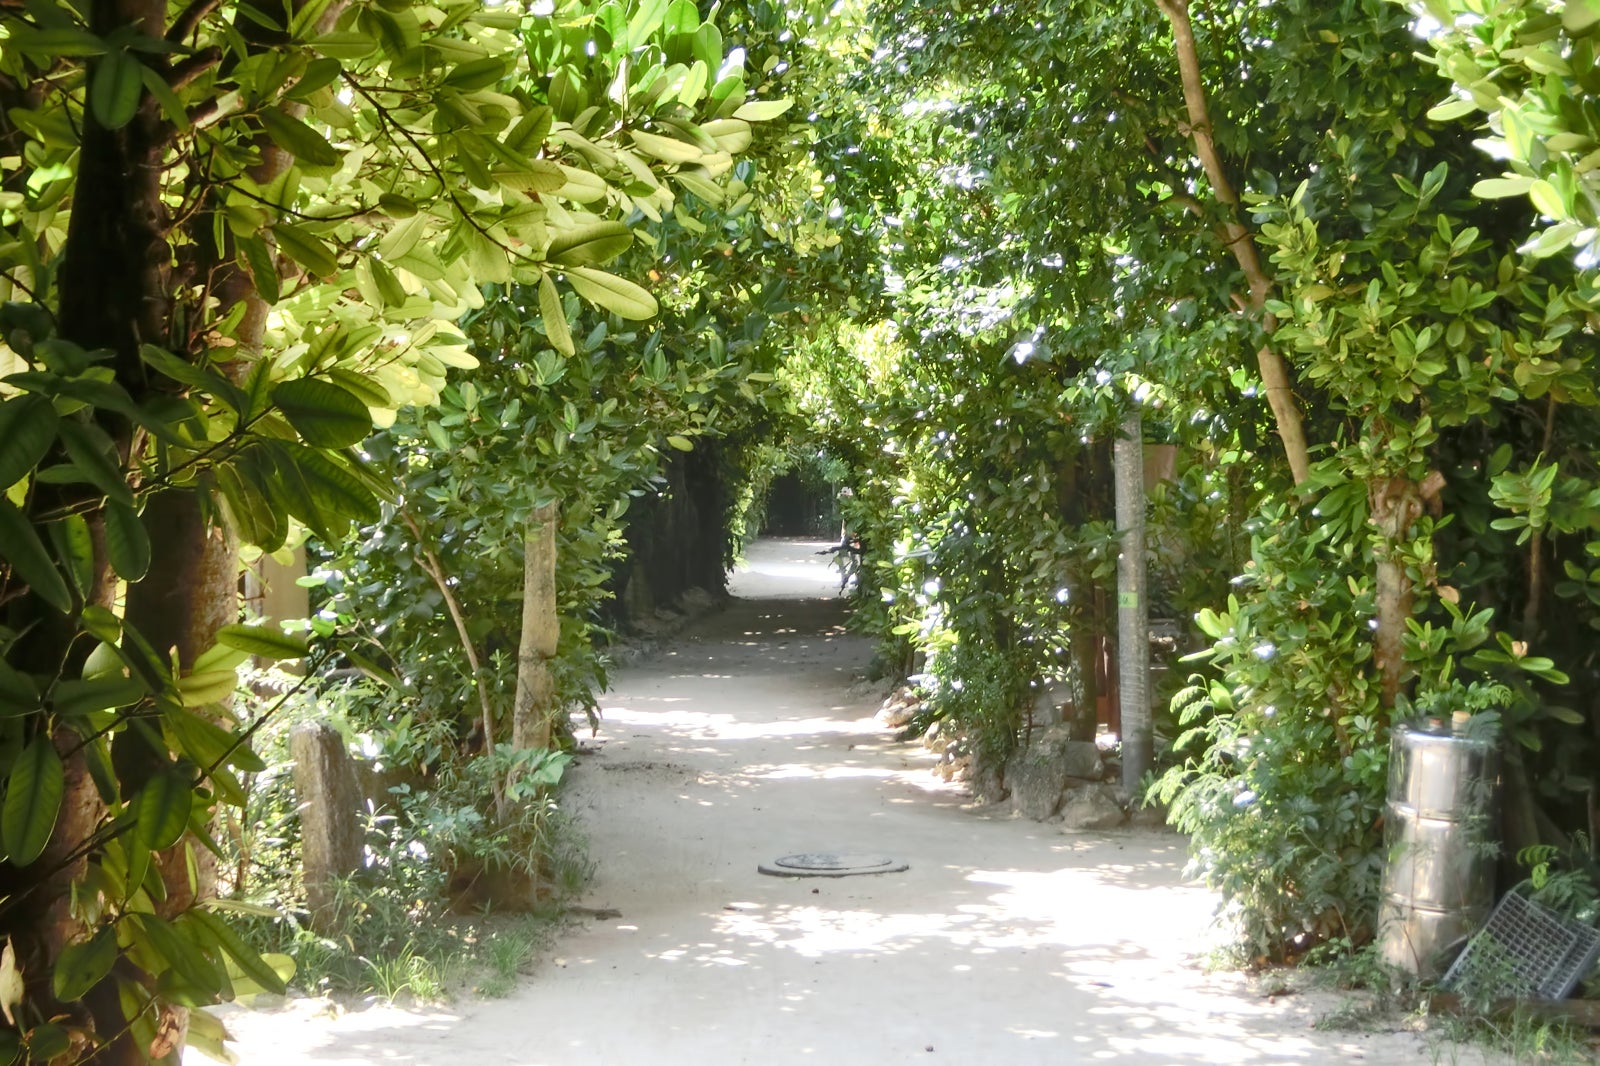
[[828, 864]]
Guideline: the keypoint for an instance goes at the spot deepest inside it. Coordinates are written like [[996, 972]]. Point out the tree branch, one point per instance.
[[434, 569], [185, 72], [189, 20]]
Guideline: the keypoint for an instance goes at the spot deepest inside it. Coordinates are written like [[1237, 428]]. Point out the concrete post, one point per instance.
[[1133, 626]]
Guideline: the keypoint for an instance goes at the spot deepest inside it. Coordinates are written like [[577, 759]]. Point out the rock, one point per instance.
[[987, 779], [696, 601], [1082, 760], [1151, 817], [1091, 807], [898, 710], [1038, 775]]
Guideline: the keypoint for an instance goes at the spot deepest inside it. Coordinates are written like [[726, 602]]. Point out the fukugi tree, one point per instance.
[[237, 237]]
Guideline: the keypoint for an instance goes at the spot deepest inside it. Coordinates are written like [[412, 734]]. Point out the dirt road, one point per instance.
[[1004, 942]]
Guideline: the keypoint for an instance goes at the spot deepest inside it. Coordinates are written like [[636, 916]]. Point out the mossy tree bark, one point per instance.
[[533, 713]]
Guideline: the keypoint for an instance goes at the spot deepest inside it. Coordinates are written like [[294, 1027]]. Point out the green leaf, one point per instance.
[[319, 74], [682, 444], [202, 740], [1546, 199], [207, 1035], [33, 801], [263, 267], [257, 521], [21, 547], [646, 21], [592, 244], [1499, 188], [100, 622], [477, 74], [28, 428], [763, 110], [731, 134], [265, 642], [127, 543], [63, 41], [305, 248], [554, 315], [75, 550], [161, 810], [666, 149], [84, 964], [1565, 714], [47, 1042], [611, 293], [171, 106], [91, 452], [182, 952], [324, 414], [115, 88], [683, 16], [72, 699], [1555, 239], [399, 33], [254, 966], [708, 46], [698, 181], [581, 186], [1451, 109], [18, 693], [198, 688], [360, 386], [344, 44], [1578, 17], [299, 139], [537, 175], [338, 495], [396, 206]]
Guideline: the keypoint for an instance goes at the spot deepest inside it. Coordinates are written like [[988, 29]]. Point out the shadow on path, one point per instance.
[[1005, 941]]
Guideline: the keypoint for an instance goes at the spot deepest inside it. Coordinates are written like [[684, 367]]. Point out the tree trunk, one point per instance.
[[533, 714], [113, 284], [1133, 625], [1396, 503], [1275, 376], [1085, 649]]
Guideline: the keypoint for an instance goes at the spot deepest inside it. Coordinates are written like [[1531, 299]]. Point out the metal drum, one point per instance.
[[1441, 841]]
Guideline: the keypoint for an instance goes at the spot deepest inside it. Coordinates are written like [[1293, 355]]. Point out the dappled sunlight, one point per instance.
[[1003, 941], [787, 569]]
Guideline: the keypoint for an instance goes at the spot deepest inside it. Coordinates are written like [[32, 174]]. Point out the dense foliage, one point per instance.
[[239, 241], [1076, 208], [456, 291]]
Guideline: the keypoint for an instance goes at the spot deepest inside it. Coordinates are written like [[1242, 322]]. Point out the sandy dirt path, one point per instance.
[[1004, 942]]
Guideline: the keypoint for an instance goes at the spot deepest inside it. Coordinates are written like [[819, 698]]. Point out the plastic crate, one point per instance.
[[1526, 951]]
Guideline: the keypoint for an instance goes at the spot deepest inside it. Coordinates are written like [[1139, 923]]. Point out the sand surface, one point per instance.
[[1004, 942]]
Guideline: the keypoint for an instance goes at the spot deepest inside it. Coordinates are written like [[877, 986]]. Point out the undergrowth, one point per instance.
[[1377, 997]]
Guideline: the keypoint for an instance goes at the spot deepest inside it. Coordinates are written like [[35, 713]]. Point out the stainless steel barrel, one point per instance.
[[1442, 841]]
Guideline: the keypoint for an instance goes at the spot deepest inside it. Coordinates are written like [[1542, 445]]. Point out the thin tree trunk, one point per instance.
[[1536, 563], [435, 570], [1274, 371], [1085, 652], [1133, 625], [534, 711]]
